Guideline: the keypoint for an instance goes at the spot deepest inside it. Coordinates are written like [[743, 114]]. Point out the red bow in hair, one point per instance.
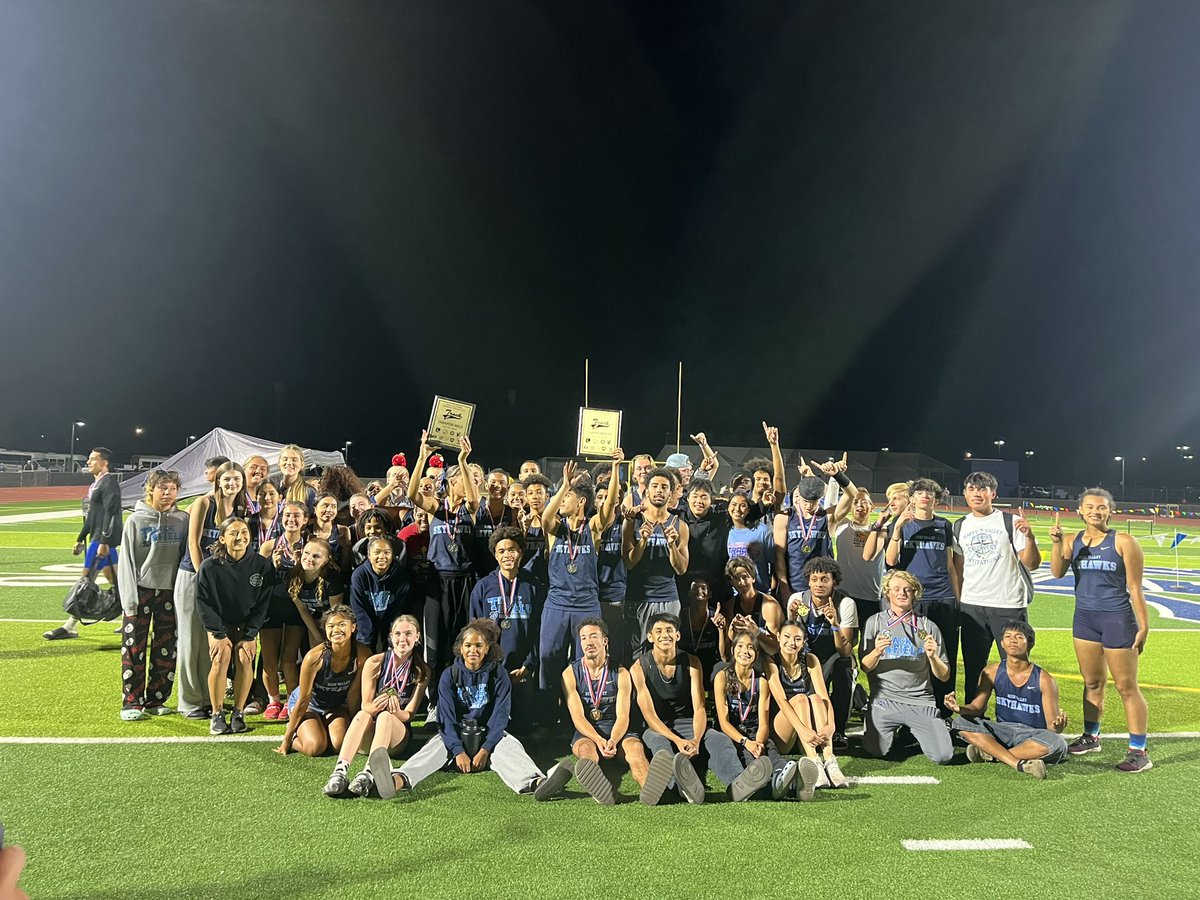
[[399, 460], [436, 461]]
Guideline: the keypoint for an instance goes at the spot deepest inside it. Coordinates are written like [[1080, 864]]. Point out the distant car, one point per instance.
[[1032, 490]]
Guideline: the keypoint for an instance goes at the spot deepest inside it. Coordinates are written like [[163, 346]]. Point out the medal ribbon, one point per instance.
[[451, 521], [509, 604], [744, 711], [573, 548], [602, 681], [806, 535], [264, 536], [397, 676]]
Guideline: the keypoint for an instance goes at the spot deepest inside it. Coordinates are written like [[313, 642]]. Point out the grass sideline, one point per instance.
[[234, 820]]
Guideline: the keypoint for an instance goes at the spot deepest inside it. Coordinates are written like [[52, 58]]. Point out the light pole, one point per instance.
[[346, 451], [71, 464], [999, 444], [1121, 460], [191, 437]]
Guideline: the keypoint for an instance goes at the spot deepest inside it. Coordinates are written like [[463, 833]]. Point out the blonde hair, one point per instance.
[[296, 576], [908, 578], [297, 491], [899, 487]]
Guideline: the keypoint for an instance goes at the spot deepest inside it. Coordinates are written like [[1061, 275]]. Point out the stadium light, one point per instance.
[[191, 437], [71, 464], [346, 451], [1029, 454], [966, 454], [885, 449], [1121, 460], [138, 429], [1000, 443]]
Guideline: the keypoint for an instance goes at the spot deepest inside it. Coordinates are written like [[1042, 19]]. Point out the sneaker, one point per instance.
[[839, 741], [253, 708], [782, 781], [1135, 761], [657, 777], [200, 712], [218, 724], [379, 764], [589, 774], [1034, 767], [431, 716], [822, 778], [751, 781], [810, 772], [555, 781], [274, 712], [132, 715], [834, 773], [159, 711], [59, 634], [337, 784], [687, 782], [237, 722], [975, 755], [362, 785], [1085, 743]]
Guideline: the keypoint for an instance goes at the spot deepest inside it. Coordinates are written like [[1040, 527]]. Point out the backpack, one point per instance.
[[1026, 577]]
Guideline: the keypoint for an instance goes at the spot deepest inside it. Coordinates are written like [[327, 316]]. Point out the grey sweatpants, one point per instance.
[[717, 751], [192, 665], [886, 717], [509, 760]]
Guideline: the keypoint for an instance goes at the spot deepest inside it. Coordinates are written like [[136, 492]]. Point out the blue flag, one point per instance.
[[1179, 536]]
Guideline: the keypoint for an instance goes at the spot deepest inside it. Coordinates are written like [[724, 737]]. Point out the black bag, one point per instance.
[[86, 601]]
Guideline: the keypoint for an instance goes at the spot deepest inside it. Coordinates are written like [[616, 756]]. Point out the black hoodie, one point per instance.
[[234, 593]]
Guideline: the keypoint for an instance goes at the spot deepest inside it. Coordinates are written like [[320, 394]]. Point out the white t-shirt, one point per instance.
[[860, 579], [991, 570]]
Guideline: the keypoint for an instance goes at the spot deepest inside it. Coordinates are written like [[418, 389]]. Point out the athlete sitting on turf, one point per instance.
[[330, 688], [473, 708], [599, 696], [233, 590], [905, 654], [1111, 621], [749, 609], [1026, 704], [742, 696], [805, 713], [393, 688], [671, 697]]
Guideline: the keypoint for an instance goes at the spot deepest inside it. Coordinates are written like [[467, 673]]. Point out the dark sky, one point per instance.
[[926, 226]]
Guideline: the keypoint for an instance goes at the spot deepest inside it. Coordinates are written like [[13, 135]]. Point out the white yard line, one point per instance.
[[76, 513], [894, 779], [166, 739], [971, 844]]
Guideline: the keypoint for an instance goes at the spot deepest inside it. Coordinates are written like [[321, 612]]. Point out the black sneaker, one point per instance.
[[1135, 761], [59, 634], [237, 722], [1085, 743], [839, 741], [218, 724], [200, 712], [552, 784]]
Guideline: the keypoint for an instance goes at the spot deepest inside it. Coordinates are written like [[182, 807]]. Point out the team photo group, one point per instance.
[[661, 620]]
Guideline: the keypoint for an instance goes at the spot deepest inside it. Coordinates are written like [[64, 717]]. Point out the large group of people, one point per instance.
[[668, 626]]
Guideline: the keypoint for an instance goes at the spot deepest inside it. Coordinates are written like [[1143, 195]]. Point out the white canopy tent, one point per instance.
[[189, 462]]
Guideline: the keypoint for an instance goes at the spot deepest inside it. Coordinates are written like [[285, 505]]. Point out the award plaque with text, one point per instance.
[[599, 432], [449, 422]]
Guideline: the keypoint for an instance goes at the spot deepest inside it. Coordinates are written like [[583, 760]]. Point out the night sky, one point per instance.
[[926, 226]]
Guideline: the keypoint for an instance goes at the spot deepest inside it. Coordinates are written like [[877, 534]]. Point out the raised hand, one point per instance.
[[464, 448], [828, 468], [1020, 522], [672, 535], [700, 438], [771, 433], [618, 456], [1056, 532], [805, 469], [843, 464], [569, 468]]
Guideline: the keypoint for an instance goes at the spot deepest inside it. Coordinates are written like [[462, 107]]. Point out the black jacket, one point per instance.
[[102, 515], [234, 594]]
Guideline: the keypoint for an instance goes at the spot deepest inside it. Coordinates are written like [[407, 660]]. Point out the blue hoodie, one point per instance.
[[377, 599], [484, 696]]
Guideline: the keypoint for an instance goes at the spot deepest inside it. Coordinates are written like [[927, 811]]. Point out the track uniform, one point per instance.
[[613, 577], [806, 539], [330, 687], [598, 696], [1103, 609], [652, 588], [452, 580], [839, 671], [573, 595], [1020, 716]]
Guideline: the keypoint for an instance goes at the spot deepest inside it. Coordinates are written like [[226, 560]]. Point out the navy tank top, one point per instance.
[[1021, 705], [818, 632], [672, 698], [610, 565], [1099, 575], [398, 677], [806, 539], [209, 533], [485, 526], [605, 699], [800, 684], [572, 569], [742, 707], [449, 532], [652, 580], [330, 688]]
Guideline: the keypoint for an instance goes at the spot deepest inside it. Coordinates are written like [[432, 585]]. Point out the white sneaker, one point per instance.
[[782, 781], [809, 769], [833, 773], [822, 777]]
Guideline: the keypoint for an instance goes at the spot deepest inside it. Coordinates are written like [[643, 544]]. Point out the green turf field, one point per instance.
[[231, 820]]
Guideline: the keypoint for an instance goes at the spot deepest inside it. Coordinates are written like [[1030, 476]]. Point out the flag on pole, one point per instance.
[[1179, 536]]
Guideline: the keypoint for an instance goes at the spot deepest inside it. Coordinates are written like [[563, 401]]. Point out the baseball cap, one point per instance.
[[679, 461], [811, 488]]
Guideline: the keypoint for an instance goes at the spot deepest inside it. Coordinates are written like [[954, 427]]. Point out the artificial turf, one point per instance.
[[232, 820]]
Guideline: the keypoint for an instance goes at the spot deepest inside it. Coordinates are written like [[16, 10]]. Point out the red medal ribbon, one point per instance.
[[744, 711], [595, 695]]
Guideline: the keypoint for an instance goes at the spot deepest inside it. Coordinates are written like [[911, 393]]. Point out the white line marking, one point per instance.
[[1158, 736], [173, 739], [894, 779], [37, 621], [979, 844], [42, 516]]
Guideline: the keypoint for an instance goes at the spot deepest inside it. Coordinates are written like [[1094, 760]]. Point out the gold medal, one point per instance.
[[595, 714]]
